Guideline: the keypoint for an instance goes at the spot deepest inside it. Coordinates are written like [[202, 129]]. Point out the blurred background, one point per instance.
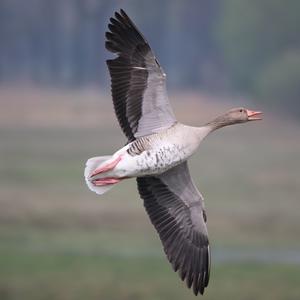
[[60, 241]]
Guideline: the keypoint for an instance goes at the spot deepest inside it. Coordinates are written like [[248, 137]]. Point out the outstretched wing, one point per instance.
[[176, 210], [138, 83]]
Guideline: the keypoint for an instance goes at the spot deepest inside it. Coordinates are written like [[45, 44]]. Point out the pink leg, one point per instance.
[[106, 181], [106, 167]]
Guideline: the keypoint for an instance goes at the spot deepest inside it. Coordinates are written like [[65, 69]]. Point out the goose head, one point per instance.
[[235, 116], [242, 115]]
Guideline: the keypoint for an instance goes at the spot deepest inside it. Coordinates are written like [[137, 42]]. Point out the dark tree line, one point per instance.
[[61, 42], [248, 46]]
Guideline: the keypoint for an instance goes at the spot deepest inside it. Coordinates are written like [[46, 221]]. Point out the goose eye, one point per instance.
[[241, 110]]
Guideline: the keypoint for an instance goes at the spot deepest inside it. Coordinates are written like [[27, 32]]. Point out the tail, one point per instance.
[[90, 166]]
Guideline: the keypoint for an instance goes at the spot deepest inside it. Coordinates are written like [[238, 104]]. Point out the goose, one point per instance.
[[157, 151]]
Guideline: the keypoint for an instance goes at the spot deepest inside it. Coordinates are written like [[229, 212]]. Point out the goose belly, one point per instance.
[[152, 161]]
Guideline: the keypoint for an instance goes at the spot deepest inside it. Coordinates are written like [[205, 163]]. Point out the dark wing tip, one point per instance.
[[119, 17], [123, 33], [196, 273], [189, 255], [122, 11], [120, 21]]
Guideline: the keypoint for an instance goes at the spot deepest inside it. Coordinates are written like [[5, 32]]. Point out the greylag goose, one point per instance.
[[157, 151]]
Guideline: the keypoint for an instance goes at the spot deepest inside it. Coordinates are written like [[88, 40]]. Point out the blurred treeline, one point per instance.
[[250, 47]]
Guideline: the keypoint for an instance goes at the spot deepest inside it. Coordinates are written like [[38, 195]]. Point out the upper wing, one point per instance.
[[137, 81], [176, 210]]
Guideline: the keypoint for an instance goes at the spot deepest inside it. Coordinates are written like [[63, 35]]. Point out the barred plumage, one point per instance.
[[138, 146]]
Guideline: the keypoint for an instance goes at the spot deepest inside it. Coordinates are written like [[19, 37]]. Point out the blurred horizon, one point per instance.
[[60, 241], [221, 47]]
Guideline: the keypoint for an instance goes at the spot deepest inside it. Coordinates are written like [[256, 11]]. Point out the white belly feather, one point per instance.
[[154, 161], [161, 153]]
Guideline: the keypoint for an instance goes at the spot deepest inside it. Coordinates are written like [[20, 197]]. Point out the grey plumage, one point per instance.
[[137, 81], [176, 210]]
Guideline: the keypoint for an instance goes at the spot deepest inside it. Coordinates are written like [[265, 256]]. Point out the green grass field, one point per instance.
[[60, 241]]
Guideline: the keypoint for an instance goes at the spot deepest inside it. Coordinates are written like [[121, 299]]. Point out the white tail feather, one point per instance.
[[90, 166]]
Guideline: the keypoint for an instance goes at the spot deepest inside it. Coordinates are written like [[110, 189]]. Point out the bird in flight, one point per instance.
[[157, 151]]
